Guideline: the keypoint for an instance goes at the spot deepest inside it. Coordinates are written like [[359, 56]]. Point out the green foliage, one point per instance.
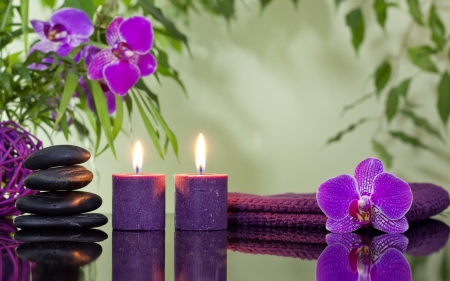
[[421, 57], [382, 76], [444, 97], [382, 153], [355, 20], [427, 53]]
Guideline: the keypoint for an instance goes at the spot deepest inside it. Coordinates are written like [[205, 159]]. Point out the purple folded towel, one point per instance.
[[301, 210]]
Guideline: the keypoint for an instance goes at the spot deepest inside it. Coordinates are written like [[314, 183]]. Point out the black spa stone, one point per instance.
[[62, 178], [60, 222], [58, 155], [71, 235], [63, 253], [58, 203]]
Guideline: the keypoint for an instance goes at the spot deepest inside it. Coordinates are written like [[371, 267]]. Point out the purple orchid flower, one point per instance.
[[67, 29], [371, 197], [129, 57], [347, 258]]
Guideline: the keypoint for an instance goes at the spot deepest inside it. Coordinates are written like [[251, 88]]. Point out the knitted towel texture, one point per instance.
[[302, 211], [425, 237]]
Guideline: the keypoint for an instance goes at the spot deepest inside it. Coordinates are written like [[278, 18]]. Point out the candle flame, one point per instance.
[[200, 155], [137, 157]]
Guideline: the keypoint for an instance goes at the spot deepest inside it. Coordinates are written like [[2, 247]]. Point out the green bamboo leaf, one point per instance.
[[444, 97], [382, 76], [337, 3], [64, 127], [49, 3], [408, 139], [422, 123], [355, 20], [143, 87], [295, 2], [148, 125], [350, 128], [6, 82], [85, 5], [382, 153], [102, 112], [393, 98], [158, 15], [437, 28], [118, 120], [25, 73], [24, 6], [391, 104], [357, 102], [69, 89], [414, 10], [421, 57], [381, 8], [170, 135], [263, 4]]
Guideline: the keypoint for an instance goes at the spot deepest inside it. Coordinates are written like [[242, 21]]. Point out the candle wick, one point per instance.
[[137, 170], [200, 170]]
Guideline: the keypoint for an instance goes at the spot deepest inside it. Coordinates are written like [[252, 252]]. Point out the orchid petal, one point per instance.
[[391, 266], [365, 173], [381, 222], [40, 27], [112, 32], [334, 196], [98, 63], [75, 21], [349, 240], [391, 195], [45, 47], [138, 33], [146, 63], [341, 226], [89, 53], [382, 243], [63, 49], [121, 76], [333, 264]]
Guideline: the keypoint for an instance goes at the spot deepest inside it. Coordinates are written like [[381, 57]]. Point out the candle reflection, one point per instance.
[[138, 255], [200, 256]]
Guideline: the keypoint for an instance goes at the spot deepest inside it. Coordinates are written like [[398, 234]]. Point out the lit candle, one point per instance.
[[139, 200], [201, 199]]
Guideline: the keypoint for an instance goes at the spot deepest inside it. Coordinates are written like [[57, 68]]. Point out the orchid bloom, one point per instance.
[[370, 197], [349, 258], [129, 57], [67, 29]]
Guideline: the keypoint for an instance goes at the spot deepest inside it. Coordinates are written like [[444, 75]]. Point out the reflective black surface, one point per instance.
[[241, 253]]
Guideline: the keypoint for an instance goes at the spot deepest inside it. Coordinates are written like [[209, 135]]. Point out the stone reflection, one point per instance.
[[200, 255], [351, 257], [59, 254], [138, 255]]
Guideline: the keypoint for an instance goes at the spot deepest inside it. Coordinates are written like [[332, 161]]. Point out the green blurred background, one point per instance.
[[267, 91]]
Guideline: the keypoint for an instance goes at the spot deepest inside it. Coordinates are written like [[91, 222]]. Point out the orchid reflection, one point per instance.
[[350, 257]]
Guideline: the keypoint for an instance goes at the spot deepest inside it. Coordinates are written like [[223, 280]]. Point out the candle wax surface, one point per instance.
[[201, 201], [139, 201]]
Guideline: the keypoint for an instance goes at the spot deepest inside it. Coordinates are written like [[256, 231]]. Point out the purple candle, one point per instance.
[[200, 255], [138, 255], [139, 200], [201, 199]]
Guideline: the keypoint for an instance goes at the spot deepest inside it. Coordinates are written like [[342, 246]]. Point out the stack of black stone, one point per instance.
[[59, 207]]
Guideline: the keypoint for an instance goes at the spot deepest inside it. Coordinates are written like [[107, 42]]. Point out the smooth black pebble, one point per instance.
[[71, 235], [69, 222], [59, 203], [64, 253], [58, 155], [62, 178]]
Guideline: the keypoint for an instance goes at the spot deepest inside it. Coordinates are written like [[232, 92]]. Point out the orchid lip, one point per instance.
[[361, 210], [122, 51], [56, 33]]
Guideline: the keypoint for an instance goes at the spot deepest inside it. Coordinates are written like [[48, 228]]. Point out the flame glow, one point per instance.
[[137, 157], [200, 155]]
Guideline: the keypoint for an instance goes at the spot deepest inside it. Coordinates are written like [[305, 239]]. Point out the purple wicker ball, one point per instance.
[[16, 144]]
